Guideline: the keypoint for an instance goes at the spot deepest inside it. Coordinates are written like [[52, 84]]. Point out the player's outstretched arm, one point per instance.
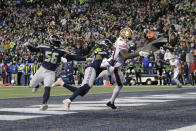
[[126, 55], [88, 49], [74, 57], [31, 47]]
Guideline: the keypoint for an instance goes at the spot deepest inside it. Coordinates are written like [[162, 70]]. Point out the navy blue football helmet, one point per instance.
[[55, 40]]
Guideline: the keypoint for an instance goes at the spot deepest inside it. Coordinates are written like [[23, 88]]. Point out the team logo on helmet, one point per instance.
[[126, 33]]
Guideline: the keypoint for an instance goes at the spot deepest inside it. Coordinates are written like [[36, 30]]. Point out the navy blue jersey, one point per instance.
[[97, 62], [52, 56]]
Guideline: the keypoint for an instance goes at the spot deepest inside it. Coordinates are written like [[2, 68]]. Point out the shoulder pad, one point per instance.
[[61, 49], [44, 46]]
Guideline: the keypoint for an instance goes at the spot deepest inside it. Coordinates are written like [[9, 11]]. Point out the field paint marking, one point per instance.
[[186, 128], [136, 100], [19, 117], [172, 96], [59, 109], [50, 111], [191, 93]]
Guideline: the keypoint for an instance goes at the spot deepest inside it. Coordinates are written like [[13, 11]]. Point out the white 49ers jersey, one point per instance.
[[175, 65], [118, 46]]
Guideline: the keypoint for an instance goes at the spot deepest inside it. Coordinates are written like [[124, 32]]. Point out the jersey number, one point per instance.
[[51, 57]]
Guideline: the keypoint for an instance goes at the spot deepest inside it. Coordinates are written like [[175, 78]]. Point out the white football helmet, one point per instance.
[[126, 34]]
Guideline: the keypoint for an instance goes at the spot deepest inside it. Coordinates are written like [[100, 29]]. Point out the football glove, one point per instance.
[[26, 43], [143, 53], [112, 62]]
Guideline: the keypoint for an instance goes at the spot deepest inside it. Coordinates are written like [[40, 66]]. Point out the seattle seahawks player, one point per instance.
[[51, 59], [90, 75]]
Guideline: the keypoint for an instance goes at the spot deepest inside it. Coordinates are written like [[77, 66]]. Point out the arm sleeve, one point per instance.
[[75, 57], [33, 49]]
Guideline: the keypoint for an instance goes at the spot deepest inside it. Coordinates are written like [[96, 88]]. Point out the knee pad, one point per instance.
[[84, 89]]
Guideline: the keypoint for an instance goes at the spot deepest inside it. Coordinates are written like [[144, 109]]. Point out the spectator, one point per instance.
[[137, 68], [145, 62], [159, 68], [167, 55], [64, 76], [192, 72], [13, 71], [27, 72], [186, 73], [168, 73], [80, 74], [151, 66], [4, 72], [181, 74], [19, 74], [35, 67]]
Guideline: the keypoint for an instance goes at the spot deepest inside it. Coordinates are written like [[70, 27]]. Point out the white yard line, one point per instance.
[[187, 128]]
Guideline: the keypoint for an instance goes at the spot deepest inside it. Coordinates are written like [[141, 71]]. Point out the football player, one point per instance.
[[52, 54], [91, 72], [176, 70], [115, 62]]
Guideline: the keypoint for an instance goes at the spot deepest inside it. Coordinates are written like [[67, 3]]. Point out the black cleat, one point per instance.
[[109, 104]]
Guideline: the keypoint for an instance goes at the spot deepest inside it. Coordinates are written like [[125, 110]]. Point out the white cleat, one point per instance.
[[43, 107], [34, 90], [67, 103], [59, 82]]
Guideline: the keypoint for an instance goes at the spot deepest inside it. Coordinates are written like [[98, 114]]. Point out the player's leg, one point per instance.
[[87, 83], [60, 82], [103, 73], [48, 81], [117, 76], [36, 79], [176, 73]]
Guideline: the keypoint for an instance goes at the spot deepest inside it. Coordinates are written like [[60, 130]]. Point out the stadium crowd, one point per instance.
[[82, 22]]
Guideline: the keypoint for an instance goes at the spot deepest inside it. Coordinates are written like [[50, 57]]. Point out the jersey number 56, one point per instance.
[[51, 57]]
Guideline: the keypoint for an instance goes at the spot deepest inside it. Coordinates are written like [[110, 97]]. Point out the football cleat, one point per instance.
[[34, 90], [67, 103], [179, 86], [59, 82], [109, 104], [43, 107]]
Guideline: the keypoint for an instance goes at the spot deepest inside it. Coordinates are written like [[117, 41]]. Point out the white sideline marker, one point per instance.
[[19, 117], [186, 128]]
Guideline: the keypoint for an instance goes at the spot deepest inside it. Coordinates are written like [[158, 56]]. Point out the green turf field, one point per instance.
[[24, 91]]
